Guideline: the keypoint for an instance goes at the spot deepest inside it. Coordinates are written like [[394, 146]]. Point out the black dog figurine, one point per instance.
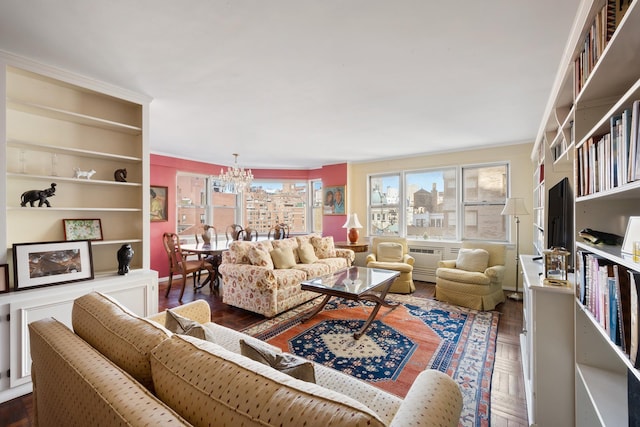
[[125, 255], [40, 196], [120, 175]]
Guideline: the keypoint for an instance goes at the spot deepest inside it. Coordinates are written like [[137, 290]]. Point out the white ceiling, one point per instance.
[[305, 83]]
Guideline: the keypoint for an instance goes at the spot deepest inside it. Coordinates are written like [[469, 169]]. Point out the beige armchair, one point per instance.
[[392, 253], [474, 279]]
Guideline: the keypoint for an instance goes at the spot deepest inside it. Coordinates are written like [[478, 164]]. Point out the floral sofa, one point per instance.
[[178, 369], [265, 276]]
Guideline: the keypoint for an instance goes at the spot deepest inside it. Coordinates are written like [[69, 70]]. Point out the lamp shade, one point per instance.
[[352, 222], [515, 206]]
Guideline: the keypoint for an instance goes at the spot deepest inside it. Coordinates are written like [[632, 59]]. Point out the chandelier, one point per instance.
[[235, 179]]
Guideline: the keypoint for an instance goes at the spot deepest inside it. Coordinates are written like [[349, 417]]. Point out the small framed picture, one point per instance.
[[334, 200], [82, 229], [4, 278], [158, 206], [632, 235], [51, 263]]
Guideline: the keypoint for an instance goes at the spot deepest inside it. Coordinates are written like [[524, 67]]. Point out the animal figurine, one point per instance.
[[125, 255], [120, 175], [77, 173], [40, 196]]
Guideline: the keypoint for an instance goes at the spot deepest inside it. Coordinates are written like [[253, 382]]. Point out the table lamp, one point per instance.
[[352, 225], [515, 207]]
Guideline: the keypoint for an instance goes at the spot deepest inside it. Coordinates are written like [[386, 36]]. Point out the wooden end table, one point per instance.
[[355, 247], [354, 283]]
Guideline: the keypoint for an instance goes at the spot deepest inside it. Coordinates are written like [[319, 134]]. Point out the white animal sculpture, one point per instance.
[[77, 173]]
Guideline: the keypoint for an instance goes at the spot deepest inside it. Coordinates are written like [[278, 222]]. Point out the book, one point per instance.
[[634, 282]]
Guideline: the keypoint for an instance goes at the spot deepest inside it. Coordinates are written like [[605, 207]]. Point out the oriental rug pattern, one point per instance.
[[419, 334]]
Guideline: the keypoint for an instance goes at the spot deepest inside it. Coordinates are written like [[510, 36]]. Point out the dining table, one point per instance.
[[213, 255]]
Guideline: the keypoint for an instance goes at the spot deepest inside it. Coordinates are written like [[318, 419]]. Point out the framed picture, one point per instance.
[[82, 229], [158, 206], [333, 202], [51, 263], [632, 235], [4, 278]]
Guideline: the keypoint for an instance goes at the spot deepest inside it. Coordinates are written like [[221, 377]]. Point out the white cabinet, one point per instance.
[[546, 344], [138, 290]]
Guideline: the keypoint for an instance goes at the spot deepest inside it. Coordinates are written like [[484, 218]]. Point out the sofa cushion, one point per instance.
[[283, 362], [307, 254], [209, 385], [290, 242], [390, 252], [324, 247], [283, 258], [472, 260], [260, 257], [238, 252], [181, 325], [120, 335]]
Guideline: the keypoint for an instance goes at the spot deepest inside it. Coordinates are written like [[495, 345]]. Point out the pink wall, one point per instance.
[[164, 171]]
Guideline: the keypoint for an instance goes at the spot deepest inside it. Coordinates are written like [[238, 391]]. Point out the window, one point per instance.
[[431, 207], [484, 191], [268, 203], [384, 205], [436, 201], [316, 206], [199, 201]]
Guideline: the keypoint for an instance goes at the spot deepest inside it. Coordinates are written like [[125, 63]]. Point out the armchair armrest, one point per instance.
[[370, 258], [496, 273], [408, 259], [447, 263], [434, 399]]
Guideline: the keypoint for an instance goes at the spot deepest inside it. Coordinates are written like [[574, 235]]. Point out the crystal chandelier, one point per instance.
[[235, 179]]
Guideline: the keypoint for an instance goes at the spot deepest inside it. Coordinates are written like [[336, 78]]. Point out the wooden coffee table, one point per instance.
[[354, 283]]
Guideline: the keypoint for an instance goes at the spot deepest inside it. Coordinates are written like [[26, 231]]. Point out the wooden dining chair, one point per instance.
[[278, 232], [232, 232], [178, 264], [248, 234]]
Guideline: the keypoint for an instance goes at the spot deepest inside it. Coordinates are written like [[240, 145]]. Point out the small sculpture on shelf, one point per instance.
[[120, 175], [125, 255], [40, 196], [78, 173]]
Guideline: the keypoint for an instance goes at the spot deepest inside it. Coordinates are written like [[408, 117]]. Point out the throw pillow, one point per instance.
[[307, 254], [183, 326], [472, 260], [259, 257], [290, 242], [390, 252], [283, 257], [283, 362], [324, 247]]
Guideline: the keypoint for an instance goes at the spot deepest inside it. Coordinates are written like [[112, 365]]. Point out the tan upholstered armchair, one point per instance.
[[392, 253], [474, 279]]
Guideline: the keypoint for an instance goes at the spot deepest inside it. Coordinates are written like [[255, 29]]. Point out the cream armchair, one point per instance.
[[474, 279], [392, 253]]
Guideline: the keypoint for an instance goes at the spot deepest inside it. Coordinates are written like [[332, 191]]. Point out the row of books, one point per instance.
[[610, 292], [602, 29], [613, 159]]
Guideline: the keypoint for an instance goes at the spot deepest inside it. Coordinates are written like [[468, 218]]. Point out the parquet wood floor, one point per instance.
[[508, 405]]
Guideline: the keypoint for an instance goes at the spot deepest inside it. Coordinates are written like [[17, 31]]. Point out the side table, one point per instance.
[[355, 247]]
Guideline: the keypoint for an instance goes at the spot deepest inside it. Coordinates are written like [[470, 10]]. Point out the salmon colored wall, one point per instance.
[[165, 169]]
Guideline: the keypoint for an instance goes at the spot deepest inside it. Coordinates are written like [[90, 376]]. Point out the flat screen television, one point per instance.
[[560, 216]]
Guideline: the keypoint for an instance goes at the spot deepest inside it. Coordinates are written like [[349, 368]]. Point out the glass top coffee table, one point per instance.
[[354, 283]]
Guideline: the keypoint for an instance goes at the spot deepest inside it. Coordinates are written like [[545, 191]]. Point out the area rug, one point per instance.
[[418, 334]]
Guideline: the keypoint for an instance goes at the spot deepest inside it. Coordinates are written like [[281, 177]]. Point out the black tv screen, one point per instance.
[[560, 216]]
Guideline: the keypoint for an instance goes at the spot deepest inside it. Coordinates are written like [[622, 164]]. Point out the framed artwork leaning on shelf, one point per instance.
[[82, 229], [4, 278], [51, 263]]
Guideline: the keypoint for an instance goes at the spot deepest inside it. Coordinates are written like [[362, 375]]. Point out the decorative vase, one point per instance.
[[353, 235]]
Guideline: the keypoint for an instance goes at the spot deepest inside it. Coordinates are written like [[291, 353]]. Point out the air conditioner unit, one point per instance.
[[426, 262]]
